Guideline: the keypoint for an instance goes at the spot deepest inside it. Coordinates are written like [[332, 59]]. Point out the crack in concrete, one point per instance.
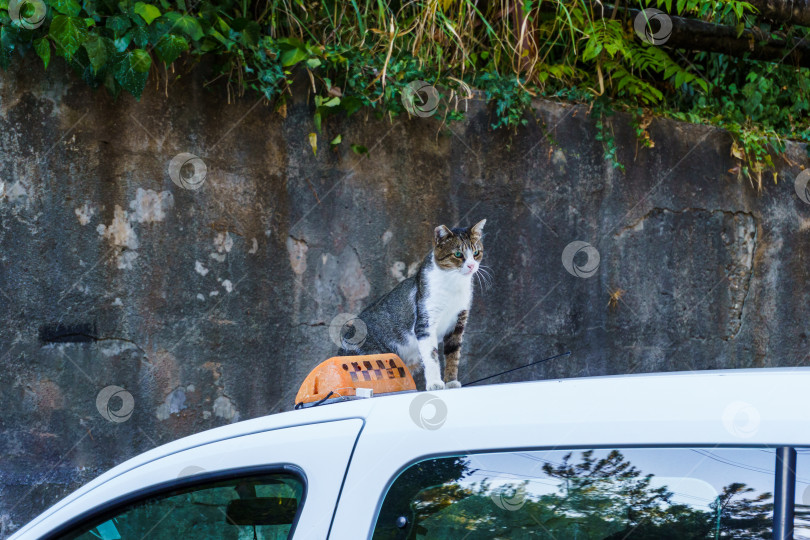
[[749, 279], [661, 210]]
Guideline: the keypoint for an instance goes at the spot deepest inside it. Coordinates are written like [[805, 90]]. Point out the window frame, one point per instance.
[[573, 448], [112, 507]]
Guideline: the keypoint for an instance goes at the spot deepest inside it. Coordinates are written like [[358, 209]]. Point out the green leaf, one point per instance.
[[239, 23], [8, 36], [43, 49], [351, 105], [250, 34], [290, 43], [96, 52], [68, 34], [140, 60], [119, 25], [336, 140], [122, 43], [208, 45], [186, 24], [111, 85], [592, 50], [140, 37], [131, 79], [170, 47], [222, 39], [292, 57], [66, 7], [359, 149], [222, 25], [147, 12]]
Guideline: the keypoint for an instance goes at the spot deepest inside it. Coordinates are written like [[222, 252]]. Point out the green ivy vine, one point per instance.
[[361, 54]]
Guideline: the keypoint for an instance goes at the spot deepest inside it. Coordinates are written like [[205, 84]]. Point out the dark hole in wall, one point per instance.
[[67, 333]]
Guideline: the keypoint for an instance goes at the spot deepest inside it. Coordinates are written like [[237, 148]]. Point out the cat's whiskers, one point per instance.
[[482, 281], [485, 275]]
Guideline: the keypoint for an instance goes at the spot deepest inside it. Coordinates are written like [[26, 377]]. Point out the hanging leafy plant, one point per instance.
[[364, 54]]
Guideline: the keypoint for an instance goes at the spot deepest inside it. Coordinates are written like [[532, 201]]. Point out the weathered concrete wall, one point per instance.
[[210, 306]]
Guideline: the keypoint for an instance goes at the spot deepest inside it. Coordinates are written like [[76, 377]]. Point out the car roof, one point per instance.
[[625, 398], [462, 399], [465, 397]]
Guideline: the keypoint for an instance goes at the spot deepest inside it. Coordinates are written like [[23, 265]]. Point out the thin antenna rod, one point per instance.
[[519, 367]]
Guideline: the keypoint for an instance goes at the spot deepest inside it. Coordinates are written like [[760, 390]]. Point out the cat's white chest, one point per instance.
[[449, 294]]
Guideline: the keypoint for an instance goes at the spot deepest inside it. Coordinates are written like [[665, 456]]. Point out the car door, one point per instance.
[[493, 462], [282, 483]]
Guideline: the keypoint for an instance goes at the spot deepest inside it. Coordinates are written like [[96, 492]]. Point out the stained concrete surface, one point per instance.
[[210, 306]]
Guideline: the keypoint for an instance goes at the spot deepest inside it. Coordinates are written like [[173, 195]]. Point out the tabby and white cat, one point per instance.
[[430, 307]]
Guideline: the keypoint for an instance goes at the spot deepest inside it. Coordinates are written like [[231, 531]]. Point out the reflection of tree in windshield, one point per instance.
[[802, 521], [594, 498]]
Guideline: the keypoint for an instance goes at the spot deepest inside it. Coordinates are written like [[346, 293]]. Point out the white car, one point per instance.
[[712, 454]]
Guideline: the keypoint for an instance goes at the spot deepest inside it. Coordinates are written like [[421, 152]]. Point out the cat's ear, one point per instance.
[[440, 234], [477, 230]]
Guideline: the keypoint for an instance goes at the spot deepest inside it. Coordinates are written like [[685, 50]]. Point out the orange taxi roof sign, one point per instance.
[[339, 377]]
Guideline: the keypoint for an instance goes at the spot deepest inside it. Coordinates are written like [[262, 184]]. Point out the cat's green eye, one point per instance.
[[476, 253], [458, 254]]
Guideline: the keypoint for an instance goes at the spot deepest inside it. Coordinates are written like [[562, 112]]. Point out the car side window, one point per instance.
[[599, 494], [263, 506]]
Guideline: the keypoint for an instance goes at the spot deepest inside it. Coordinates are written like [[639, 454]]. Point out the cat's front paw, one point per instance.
[[453, 384], [435, 385]]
